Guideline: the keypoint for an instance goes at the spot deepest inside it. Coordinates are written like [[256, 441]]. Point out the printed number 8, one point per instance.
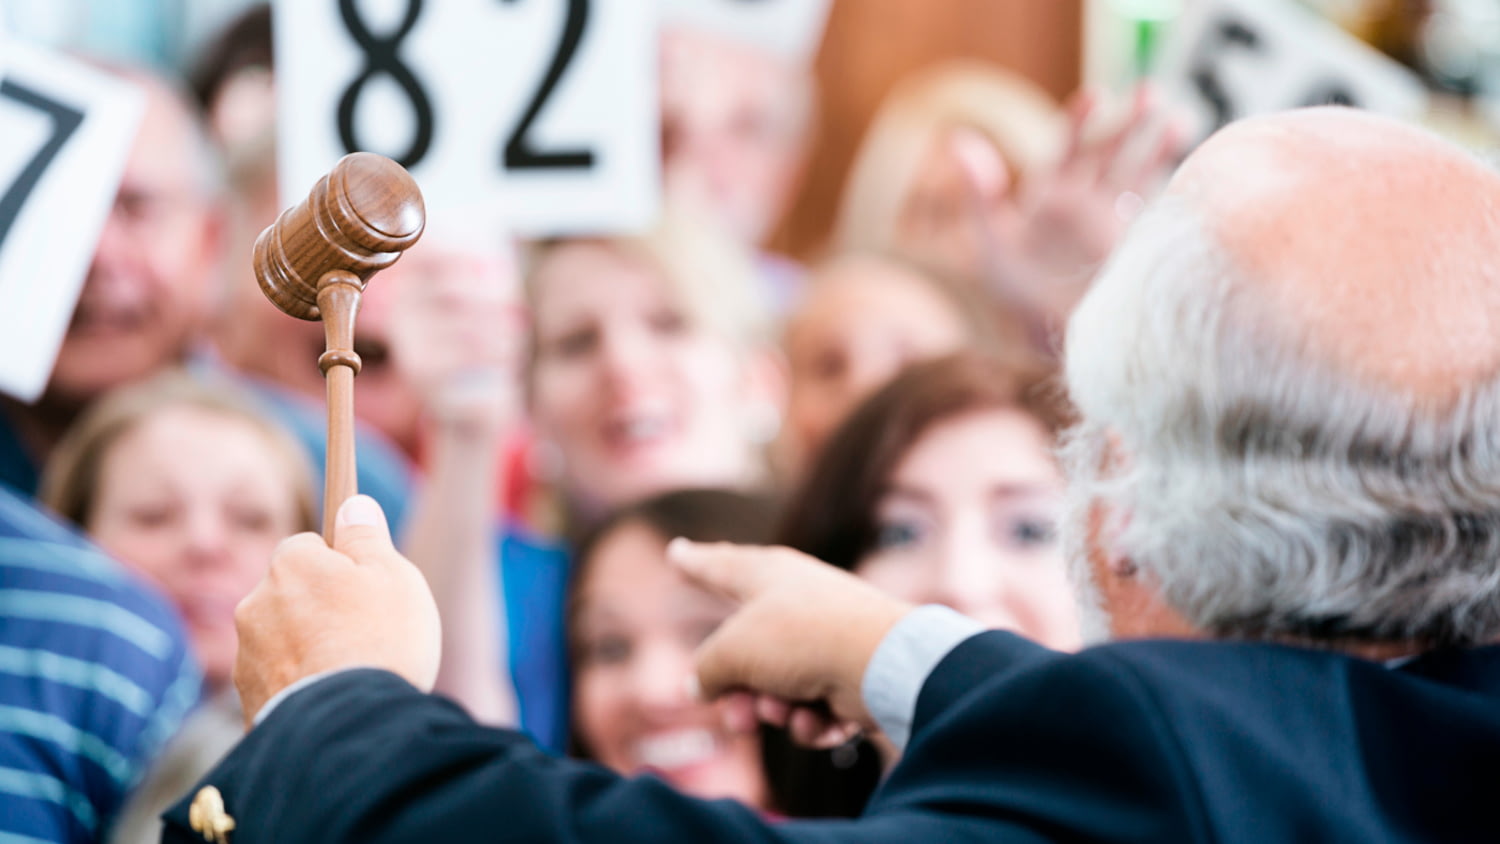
[[380, 57]]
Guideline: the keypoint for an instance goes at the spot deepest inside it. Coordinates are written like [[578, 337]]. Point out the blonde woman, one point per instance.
[[650, 368]]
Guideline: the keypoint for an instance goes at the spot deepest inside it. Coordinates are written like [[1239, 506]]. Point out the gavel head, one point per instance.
[[358, 220]]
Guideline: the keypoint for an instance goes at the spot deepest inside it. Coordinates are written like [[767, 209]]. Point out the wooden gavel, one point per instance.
[[313, 263]]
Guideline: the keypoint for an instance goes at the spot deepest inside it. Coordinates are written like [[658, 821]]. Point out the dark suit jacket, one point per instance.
[[1140, 742]]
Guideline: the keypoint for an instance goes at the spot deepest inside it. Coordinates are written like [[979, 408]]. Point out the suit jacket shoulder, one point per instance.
[[1231, 742], [1072, 745], [363, 757]]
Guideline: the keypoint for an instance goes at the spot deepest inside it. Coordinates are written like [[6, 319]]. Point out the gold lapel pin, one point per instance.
[[207, 816]]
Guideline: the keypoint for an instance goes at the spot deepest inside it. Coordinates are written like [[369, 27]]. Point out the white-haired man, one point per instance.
[[1288, 379]]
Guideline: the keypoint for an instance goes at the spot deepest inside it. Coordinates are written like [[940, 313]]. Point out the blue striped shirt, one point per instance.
[[94, 676]]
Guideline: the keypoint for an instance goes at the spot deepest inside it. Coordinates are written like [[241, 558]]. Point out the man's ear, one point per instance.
[[1131, 598], [1116, 562]]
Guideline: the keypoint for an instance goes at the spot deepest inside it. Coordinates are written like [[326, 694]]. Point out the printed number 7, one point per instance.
[[65, 121]]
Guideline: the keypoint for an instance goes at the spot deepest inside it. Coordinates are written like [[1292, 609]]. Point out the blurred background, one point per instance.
[[778, 272], [868, 45]]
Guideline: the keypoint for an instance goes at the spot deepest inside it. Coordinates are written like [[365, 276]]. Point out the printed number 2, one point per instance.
[[520, 151], [65, 121]]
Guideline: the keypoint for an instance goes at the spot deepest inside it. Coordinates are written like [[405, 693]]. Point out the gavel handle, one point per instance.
[[338, 302]]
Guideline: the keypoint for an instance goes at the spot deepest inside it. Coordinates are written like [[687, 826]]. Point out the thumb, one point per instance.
[[360, 530], [736, 572]]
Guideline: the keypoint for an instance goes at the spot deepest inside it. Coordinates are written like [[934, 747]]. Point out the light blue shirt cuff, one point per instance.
[[903, 661], [296, 686]]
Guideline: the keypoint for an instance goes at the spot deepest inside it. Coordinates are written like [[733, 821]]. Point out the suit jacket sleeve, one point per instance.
[[1052, 748], [361, 756]]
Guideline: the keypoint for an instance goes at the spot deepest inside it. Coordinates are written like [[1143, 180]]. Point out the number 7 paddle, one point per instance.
[[65, 121]]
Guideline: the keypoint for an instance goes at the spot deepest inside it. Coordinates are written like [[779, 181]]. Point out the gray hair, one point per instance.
[[1264, 493]]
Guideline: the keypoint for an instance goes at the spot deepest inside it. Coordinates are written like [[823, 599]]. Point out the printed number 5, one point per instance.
[[65, 121], [521, 152]]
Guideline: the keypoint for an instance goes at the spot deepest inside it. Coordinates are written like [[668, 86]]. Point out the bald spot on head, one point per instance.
[[1374, 242]]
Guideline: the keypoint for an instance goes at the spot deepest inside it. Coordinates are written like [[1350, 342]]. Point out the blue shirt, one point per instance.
[[533, 585], [95, 675]]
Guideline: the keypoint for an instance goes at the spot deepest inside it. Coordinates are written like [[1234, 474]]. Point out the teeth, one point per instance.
[[641, 423], [676, 749]]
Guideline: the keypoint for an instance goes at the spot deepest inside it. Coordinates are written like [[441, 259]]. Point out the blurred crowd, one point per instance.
[[539, 419]]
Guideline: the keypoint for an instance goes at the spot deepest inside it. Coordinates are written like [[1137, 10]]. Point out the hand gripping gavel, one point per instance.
[[314, 262]]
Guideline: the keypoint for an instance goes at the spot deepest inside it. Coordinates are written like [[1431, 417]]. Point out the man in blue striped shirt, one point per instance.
[[94, 675]]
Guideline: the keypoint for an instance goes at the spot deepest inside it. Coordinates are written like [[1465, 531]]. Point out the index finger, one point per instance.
[[737, 572]]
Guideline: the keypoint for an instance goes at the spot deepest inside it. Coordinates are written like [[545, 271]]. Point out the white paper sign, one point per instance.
[[790, 28], [547, 108], [66, 130], [1229, 59]]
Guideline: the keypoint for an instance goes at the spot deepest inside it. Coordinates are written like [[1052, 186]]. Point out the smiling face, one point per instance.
[[151, 280], [635, 626], [196, 500], [637, 395], [969, 519]]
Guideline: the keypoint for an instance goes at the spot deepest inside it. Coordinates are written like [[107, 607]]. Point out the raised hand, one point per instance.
[[1041, 247], [458, 333]]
